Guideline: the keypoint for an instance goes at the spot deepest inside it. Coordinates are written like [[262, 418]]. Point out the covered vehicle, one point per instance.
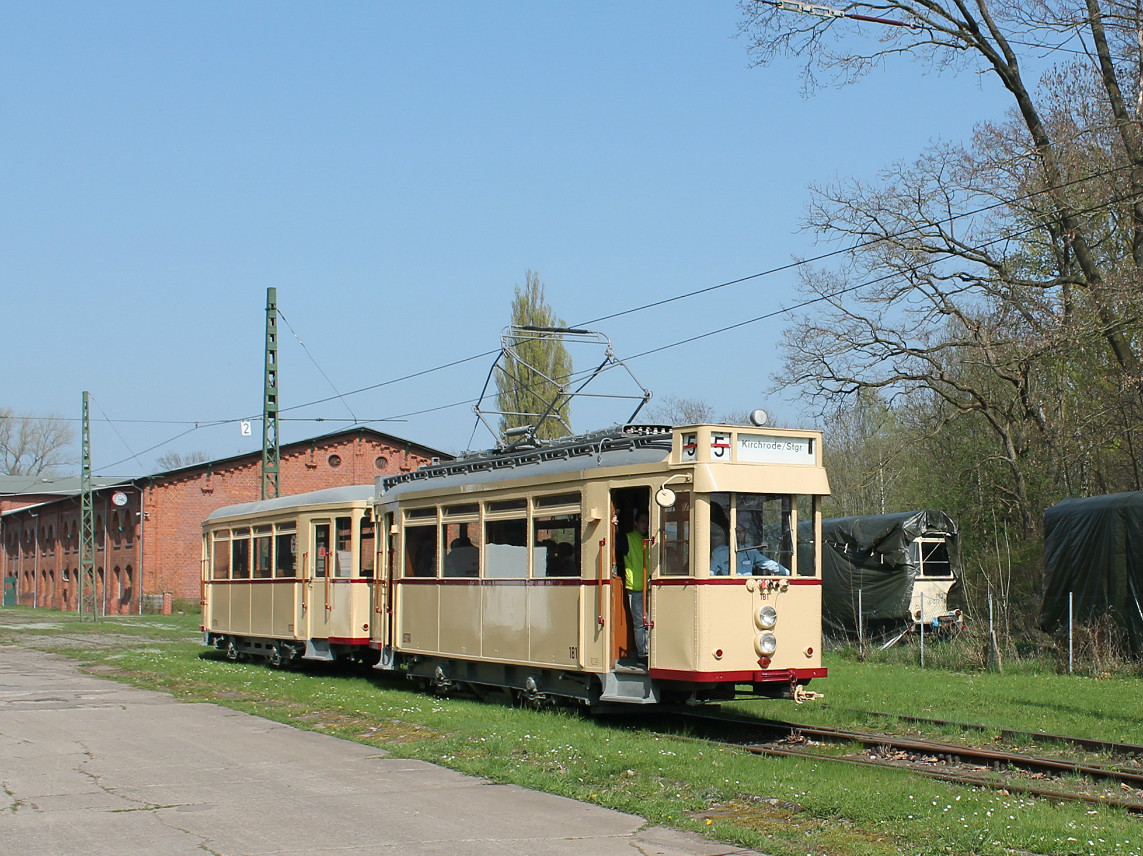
[[1093, 550], [894, 570]]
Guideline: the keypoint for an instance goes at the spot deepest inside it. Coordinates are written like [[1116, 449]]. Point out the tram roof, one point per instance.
[[525, 464], [579, 463], [328, 496]]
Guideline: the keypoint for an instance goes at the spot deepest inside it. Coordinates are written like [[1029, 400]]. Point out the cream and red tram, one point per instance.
[[291, 578], [499, 571]]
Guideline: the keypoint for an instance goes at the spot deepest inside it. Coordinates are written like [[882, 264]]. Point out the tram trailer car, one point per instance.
[[501, 572]]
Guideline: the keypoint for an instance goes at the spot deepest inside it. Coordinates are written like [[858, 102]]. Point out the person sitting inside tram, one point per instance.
[[750, 561], [462, 559]]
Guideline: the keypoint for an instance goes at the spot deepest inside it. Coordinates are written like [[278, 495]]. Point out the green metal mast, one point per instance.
[[271, 455], [87, 595]]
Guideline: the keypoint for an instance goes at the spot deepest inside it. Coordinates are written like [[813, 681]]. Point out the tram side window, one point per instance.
[[240, 555], [367, 548], [222, 556], [806, 555], [263, 553], [557, 545], [286, 552], [506, 549], [676, 537], [462, 556], [321, 549], [343, 557], [421, 551]]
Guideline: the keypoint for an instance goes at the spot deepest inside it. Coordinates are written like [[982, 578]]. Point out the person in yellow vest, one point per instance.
[[632, 557]]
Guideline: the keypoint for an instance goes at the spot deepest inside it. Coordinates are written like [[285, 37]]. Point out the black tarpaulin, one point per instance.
[[869, 560], [1093, 549]]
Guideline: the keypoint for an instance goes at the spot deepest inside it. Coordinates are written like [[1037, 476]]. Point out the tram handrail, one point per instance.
[[329, 563], [305, 579], [602, 578]]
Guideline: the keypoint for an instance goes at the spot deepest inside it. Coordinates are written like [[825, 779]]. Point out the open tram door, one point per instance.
[[627, 619], [381, 600]]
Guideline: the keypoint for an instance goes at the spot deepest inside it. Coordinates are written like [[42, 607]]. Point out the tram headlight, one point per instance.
[[766, 644], [766, 617]]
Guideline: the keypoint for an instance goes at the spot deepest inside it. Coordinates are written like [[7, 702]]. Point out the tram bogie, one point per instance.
[[513, 574]]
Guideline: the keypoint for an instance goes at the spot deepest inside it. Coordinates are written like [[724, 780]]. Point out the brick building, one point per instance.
[[148, 536]]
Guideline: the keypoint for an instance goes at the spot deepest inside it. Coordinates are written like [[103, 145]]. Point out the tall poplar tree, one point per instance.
[[535, 367]]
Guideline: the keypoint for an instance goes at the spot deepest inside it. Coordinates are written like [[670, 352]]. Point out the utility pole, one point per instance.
[[87, 595], [271, 454]]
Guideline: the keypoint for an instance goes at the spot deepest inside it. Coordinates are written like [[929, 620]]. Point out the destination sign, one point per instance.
[[771, 449]]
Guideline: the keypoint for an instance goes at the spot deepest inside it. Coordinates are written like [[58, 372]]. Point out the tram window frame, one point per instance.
[[675, 552], [546, 562], [503, 506], [506, 553], [774, 540], [220, 555], [461, 559], [807, 529], [286, 547], [558, 499], [322, 532], [419, 563], [755, 514], [240, 554], [468, 509], [342, 547], [262, 553], [366, 546]]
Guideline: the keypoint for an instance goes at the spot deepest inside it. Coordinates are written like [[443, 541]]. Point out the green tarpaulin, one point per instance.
[[1093, 550]]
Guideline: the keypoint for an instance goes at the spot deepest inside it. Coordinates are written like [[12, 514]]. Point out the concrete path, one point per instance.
[[91, 767]]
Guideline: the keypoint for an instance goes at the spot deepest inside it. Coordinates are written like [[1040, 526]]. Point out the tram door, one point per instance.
[[626, 506], [381, 601], [315, 586]]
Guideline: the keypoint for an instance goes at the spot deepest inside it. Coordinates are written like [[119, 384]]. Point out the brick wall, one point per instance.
[[41, 546]]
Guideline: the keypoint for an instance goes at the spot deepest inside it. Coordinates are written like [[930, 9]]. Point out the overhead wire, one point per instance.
[[797, 263]]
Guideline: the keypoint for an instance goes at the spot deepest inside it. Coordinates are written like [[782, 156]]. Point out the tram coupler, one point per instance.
[[802, 695]]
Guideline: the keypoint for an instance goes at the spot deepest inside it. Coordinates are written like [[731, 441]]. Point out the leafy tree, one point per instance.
[[535, 368], [33, 447]]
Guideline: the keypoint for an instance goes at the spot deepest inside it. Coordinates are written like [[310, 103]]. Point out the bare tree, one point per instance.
[[992, 289], [178, 460], [31, 446], [674, 410], [989, 35]]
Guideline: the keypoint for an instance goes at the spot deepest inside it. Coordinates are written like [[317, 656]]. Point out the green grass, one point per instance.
[[785, 807]]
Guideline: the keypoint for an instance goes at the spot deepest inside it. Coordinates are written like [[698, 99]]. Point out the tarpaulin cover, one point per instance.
[[871, 555], [1093, 548]]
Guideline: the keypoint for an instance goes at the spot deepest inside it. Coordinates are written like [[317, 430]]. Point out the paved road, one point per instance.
[[91, 767]]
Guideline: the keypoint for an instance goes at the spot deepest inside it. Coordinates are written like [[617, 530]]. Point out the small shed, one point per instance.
[[1093, 551], [897, 570]]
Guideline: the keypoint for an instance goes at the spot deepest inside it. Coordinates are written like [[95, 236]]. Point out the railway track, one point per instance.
[[1057, 779]]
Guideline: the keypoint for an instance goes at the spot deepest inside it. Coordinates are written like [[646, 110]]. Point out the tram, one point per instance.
[[504, 573]]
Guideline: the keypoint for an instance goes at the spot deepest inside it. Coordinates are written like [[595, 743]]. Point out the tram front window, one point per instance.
[[762, 542]]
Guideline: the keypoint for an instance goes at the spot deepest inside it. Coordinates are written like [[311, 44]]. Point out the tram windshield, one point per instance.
[[752, 534]]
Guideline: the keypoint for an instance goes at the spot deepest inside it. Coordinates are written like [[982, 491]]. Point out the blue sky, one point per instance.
[[392, 169]]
